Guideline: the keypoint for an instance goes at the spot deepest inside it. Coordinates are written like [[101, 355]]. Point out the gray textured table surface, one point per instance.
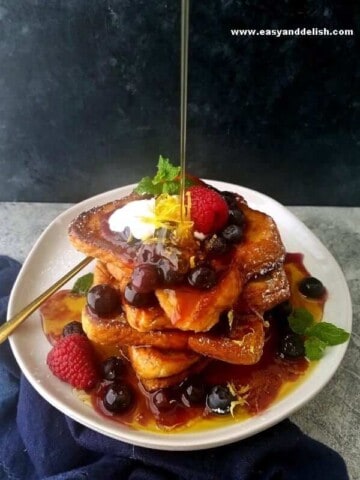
[[333, 416]]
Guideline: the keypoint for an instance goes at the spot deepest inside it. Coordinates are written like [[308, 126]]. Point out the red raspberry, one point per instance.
[[73, 360], [209, 211]]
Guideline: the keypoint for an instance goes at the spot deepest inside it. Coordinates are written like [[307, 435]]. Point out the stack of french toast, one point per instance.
[[186, 328]]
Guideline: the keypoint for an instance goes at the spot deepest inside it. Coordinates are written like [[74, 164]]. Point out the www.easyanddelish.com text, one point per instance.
[[291, 32]]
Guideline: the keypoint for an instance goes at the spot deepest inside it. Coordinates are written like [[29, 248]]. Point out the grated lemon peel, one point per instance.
[[168, 214], [230, 317], [240, 393]]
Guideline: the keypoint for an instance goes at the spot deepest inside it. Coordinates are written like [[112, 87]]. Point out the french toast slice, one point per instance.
[[265, 292], [182, 308], [147, 319], [242, 346], [86, 232], [158, 368], [153, 384], [196, 310], [151, 362], [261, 249], [260, 294], [243, 343], [115, 330]]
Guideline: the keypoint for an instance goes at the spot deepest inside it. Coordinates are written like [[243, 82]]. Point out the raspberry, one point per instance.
[[209, 211], [72, 360]]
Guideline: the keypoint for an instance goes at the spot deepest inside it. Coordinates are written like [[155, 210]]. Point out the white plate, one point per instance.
[[52, 256]]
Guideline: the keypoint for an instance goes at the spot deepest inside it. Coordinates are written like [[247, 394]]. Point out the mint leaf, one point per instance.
[[83, 284], [166, 171], [165, 181], [146, 186], [314, 348], [328, 333], [300, 320], [318, 335], [172, 188]]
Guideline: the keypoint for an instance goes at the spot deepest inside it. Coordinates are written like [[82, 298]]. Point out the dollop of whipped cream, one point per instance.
[[138, 216]]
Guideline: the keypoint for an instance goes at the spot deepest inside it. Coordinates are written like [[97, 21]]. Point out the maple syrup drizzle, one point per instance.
[[185, 4]]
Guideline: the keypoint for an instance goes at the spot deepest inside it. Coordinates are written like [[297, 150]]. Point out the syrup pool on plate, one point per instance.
[[183, 406]]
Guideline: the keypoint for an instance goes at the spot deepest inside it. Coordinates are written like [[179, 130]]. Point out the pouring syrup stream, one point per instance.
[[183, 97]]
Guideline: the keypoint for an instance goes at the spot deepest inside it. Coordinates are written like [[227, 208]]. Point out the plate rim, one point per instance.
[[160, 441]]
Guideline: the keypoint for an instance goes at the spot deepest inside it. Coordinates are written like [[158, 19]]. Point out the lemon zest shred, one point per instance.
[[240, 393], [168, 215], [230, 316]]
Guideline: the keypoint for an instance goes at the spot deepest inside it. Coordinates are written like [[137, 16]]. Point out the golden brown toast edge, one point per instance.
[[85, 231]]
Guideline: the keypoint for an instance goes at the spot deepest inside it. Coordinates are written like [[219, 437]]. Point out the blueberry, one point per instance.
[[202, 277], [232, 233], [236, 217], [103, 299], [170, 275], [216, 245], [219, 400], [173, 277], [230, 199], [164, 400], [138, 299], [193, 392], [311, 287], [117, 397], [292, 346], [146, 277], [112, 368], [72, 327]]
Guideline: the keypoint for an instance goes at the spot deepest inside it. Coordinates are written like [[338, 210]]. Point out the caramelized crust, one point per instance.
[[146, 319], [85, 232], [262, 249], [243, 346], [153, 384], [151, 362], [117, 331], [265, 292]]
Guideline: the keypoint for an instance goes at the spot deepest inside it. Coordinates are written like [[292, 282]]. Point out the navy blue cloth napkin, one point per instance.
[[38, 442]]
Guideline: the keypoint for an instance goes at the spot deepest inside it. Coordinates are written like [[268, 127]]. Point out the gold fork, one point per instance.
[[11, 325]]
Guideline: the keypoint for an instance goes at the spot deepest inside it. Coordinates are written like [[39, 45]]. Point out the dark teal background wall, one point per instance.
[[89, 95]]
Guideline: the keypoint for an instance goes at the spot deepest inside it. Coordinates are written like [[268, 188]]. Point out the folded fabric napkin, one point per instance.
[[39, 442]]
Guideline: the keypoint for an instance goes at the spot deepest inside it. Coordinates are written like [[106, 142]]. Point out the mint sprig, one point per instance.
[[329, 333], [300, 320], [165, 171], [314, 348], [83, 284], [318, 336], [166, 180]]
